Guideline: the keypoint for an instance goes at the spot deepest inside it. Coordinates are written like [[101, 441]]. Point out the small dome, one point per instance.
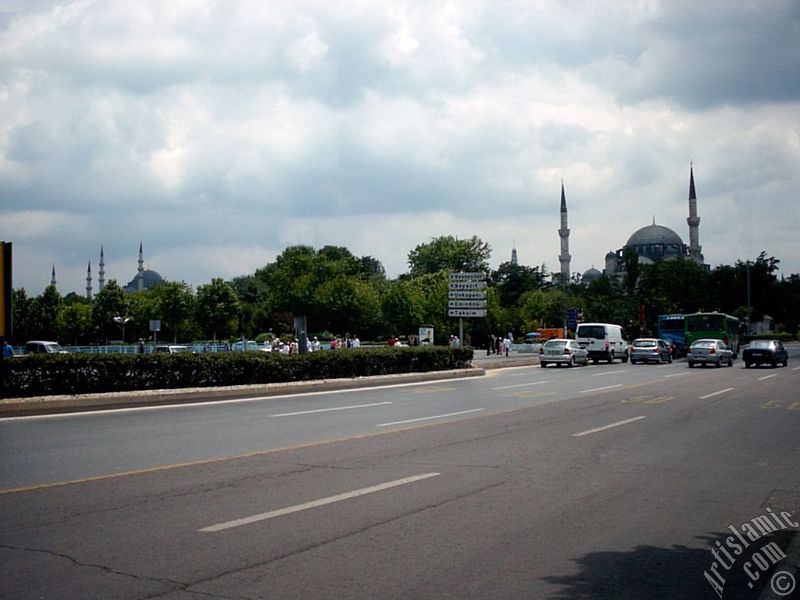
[[592, 273], [654, 234]]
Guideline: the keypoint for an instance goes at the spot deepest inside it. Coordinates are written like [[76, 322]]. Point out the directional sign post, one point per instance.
[[466, 297]]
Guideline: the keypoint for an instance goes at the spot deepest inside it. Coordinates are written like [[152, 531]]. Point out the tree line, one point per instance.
[[341, 293]]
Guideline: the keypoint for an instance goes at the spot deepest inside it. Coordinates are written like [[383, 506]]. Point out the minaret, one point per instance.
[[140, 275], [53, 276], [514, 253], [89, 281], [101, 280], [563, 233], [694, 222]]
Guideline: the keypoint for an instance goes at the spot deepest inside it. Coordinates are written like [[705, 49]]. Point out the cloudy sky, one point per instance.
[[218, 133]]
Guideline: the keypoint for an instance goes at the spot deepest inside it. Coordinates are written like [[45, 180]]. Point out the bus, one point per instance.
[[713, 325], [671, 330]]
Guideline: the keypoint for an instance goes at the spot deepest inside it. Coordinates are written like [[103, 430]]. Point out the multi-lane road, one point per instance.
[[606, 481]]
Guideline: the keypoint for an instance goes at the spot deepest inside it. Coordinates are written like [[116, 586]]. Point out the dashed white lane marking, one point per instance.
[[604, 373], [675, 375], [431, 418], [506, 387], [766, 377], [600, 389], [712, 394], [609, 426], [315, 503], [323, 410]]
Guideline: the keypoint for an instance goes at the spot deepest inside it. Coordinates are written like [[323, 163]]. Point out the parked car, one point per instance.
[[709, 352], [42, 347], [172, 349], [563, 352], [249, 346], [765, 352], [650, 349]]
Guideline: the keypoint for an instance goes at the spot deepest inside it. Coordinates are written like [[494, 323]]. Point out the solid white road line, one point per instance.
[[322, 410], [315, 503], [600, 389], [506, 387], [712, 394], [453, 414], [766, 377], [609, 426]]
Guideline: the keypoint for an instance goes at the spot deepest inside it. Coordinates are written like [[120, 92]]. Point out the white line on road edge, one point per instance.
[[453, 414], [505, 387], [322, 410], [712, 394], [766, 377], [609, 426], [315, 503], [600, 389]]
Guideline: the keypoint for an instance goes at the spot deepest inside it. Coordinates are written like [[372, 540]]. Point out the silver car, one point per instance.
[[563, 352], [709, 352], [650, 349]]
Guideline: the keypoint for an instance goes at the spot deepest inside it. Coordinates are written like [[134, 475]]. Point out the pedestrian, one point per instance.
[[507, 345], [8, 350], [141, 346]]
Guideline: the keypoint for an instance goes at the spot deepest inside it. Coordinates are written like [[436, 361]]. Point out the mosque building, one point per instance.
[[145, 279], [652, 243]]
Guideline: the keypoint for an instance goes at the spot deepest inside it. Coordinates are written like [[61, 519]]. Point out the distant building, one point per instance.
[[652, 243]]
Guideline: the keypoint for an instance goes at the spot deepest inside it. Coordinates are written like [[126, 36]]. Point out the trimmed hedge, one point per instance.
[[39, 375]]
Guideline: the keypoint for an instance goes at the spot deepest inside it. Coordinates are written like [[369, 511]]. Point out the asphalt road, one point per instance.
[[607, 481]]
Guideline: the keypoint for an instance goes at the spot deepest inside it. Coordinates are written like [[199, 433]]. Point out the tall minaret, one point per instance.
[[694, 222], [563, 233], [89, 281], [514, 252], [53, 276], [101, 280], [140, 275]]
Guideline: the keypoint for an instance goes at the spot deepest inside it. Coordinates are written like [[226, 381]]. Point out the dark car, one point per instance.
[[765, 352], [650, 349]]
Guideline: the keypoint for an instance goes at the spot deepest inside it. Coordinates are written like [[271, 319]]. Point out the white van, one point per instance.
[[603, 341]]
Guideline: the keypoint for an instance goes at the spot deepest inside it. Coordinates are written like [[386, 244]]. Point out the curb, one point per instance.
[[48, 405]]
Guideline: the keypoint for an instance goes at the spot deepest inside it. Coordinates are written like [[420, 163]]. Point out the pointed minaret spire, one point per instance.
[[563, 233], [140, 275], [53, 276], [101, 280], [514, 252], [695, 250], [89, 281]]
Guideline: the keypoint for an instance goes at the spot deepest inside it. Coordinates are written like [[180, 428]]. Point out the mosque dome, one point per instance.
[[654, 234], [591, 275]]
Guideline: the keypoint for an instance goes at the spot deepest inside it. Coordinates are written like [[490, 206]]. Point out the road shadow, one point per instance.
[[673, 573]]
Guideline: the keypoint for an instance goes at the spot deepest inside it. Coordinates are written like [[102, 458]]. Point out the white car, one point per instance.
[[563, 352], [709, 352]]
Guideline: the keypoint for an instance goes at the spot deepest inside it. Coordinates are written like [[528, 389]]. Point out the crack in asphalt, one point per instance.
[[334, 539]]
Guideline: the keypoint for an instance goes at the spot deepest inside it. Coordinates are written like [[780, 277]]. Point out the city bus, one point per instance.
[[671, 330], [713, 325]]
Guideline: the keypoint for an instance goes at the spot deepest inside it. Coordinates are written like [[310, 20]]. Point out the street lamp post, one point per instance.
[[121, 321]]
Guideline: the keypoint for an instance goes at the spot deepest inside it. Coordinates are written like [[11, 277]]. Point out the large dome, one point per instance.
[[654, 234]]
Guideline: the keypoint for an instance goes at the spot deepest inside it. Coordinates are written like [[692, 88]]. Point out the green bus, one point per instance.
[[713, 325]]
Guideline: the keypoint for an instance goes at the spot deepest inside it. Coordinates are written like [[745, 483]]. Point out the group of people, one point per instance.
[[338, 343], [499, 345]]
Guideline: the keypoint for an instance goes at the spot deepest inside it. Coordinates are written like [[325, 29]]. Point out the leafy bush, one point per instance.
[[41, 374]]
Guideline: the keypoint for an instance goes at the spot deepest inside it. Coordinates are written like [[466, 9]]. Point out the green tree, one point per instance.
[[174, 306], [514, 280], [45, 312], [402, 305], [108, 303], [351, 305], [23, 317], [447, 253], [217, 309], [75, 323]]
